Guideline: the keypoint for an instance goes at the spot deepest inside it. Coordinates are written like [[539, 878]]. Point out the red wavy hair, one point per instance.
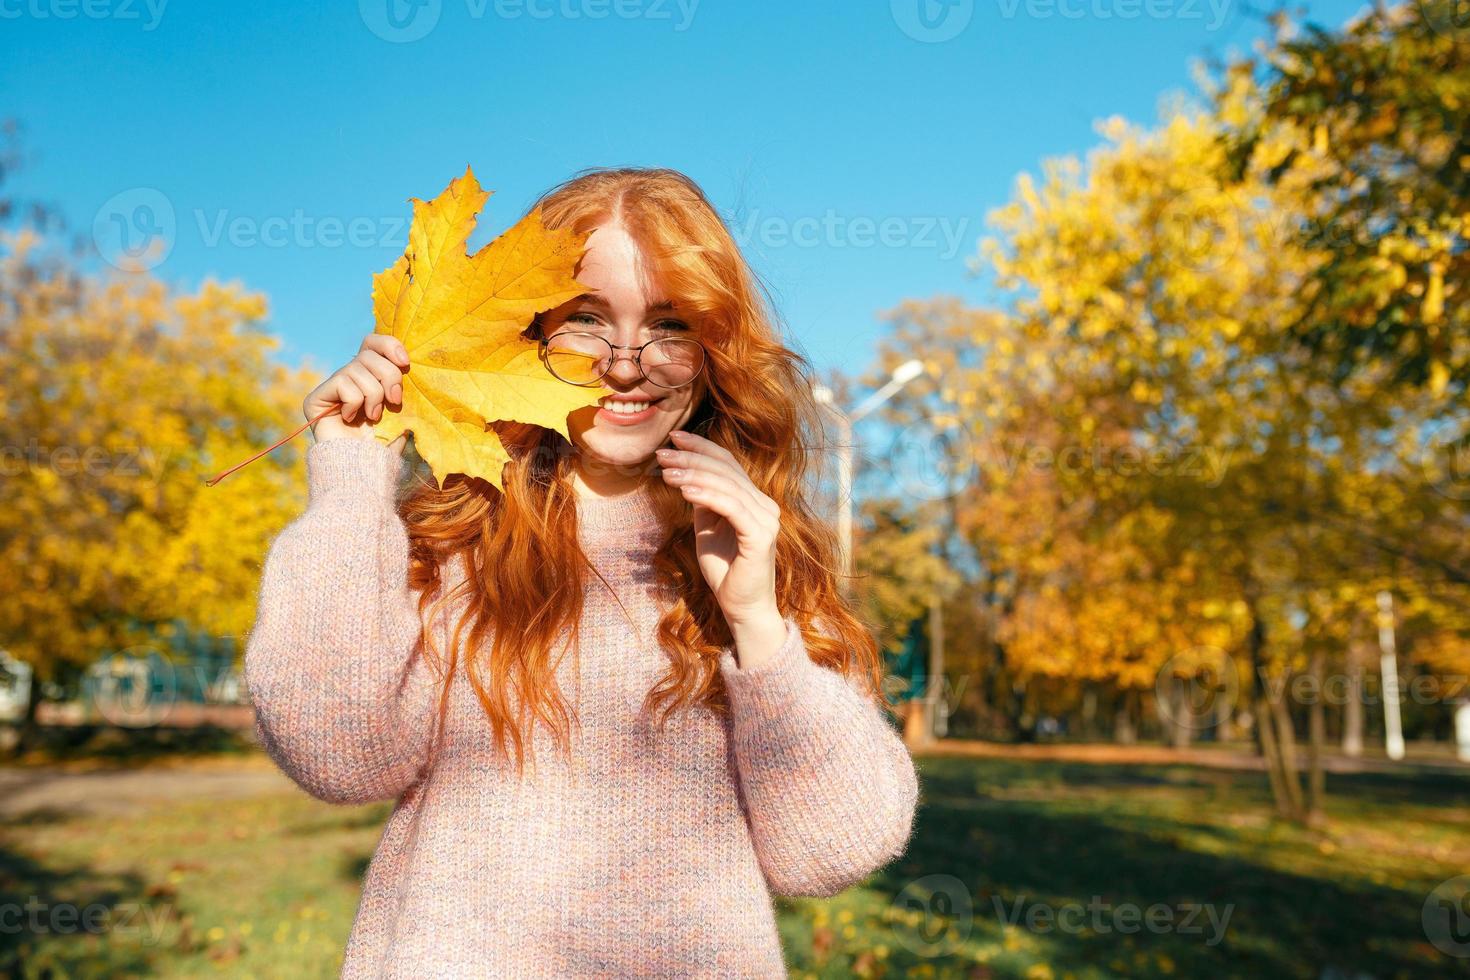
[[525, 573]]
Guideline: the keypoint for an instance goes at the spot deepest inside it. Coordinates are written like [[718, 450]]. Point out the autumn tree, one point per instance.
[[123, 394]]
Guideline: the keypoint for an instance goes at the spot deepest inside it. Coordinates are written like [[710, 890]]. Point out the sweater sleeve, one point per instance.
[[344, 698], [829, 785]]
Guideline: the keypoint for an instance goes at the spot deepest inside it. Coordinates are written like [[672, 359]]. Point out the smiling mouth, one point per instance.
[[625, 405]]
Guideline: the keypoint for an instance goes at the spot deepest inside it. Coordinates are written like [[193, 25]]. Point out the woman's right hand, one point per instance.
[[363, 387]]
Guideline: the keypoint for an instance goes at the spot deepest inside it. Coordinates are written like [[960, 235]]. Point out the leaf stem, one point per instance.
[[279, 443]]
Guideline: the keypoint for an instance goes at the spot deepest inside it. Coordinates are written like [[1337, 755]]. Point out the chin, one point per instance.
[[618, 451]]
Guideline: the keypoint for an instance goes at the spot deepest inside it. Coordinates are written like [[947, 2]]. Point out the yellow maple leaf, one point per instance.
[[461, 317]]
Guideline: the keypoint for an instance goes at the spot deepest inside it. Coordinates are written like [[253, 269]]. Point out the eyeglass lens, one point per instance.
[[584, 358]]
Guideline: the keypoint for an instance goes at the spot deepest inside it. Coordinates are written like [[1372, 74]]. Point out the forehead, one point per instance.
[[617, 274]]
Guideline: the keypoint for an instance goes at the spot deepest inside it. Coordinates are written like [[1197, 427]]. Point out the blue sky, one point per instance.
[[856, 147]]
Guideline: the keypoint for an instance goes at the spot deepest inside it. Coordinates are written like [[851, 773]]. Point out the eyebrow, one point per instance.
[[593, 299]]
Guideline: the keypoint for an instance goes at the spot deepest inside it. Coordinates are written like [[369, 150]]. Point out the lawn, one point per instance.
[[1028, 869]]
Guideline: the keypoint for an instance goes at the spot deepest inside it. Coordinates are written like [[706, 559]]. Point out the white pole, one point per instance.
[[902, 375], [1462, 730], [844, 503], [1388, 666]]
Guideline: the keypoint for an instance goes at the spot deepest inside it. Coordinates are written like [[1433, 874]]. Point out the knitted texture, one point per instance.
[[647, 853]]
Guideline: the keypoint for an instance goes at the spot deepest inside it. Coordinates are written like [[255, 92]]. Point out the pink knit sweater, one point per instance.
[[651, 854]]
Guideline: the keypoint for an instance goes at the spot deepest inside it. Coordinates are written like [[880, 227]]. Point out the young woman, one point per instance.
[[620, 704]]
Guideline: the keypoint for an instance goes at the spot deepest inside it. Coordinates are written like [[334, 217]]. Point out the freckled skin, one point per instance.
[[614, 459]]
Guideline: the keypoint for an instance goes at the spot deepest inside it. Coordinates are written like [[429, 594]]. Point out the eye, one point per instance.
[[671, 325], [584, 318]]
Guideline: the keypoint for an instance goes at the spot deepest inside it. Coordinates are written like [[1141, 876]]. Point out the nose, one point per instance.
[[623, 372]]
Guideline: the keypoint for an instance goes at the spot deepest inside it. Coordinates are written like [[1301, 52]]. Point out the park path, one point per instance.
[[38, 791], [1160, 755]]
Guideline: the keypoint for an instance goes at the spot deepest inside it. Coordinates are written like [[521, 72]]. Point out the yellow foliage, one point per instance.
[[461, 318]]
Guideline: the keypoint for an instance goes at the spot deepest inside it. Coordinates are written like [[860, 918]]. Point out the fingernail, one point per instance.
[[673, 474], [663, 453], [396, 394]]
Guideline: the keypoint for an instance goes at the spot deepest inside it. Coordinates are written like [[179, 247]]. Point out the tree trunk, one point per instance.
[[28, 733], [1125, 732], [1089, 712], [1180, 713], [1352, 706], [1316, 738], [1274, 736]]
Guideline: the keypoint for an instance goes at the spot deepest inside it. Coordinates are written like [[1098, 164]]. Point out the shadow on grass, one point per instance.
[[72, 922], [127, 747], [1020, 844]]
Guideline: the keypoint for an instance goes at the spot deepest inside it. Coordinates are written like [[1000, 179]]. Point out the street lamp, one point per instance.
[[902, 375]]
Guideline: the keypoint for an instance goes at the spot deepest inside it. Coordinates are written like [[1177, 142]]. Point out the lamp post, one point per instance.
[[918, 730], [902, 375]]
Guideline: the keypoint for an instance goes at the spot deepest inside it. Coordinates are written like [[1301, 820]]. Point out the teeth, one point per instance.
[[625, 408]]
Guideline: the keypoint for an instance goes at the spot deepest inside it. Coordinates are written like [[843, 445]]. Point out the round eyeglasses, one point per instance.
[[584, 359]]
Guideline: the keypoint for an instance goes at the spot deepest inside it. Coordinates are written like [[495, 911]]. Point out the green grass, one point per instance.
[[267, 887]]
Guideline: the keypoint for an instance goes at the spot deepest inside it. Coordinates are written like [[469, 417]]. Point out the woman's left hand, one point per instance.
[[735, 527]]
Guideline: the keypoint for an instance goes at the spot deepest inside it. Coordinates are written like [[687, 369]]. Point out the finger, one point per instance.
[[728, 506], [705, 471], [731, 467], [386, 372], [350, 395], [705, 487], [697, 443], [372, 390], [390, 347]]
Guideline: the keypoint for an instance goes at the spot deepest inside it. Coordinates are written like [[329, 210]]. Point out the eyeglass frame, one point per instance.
[[637, 358]]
